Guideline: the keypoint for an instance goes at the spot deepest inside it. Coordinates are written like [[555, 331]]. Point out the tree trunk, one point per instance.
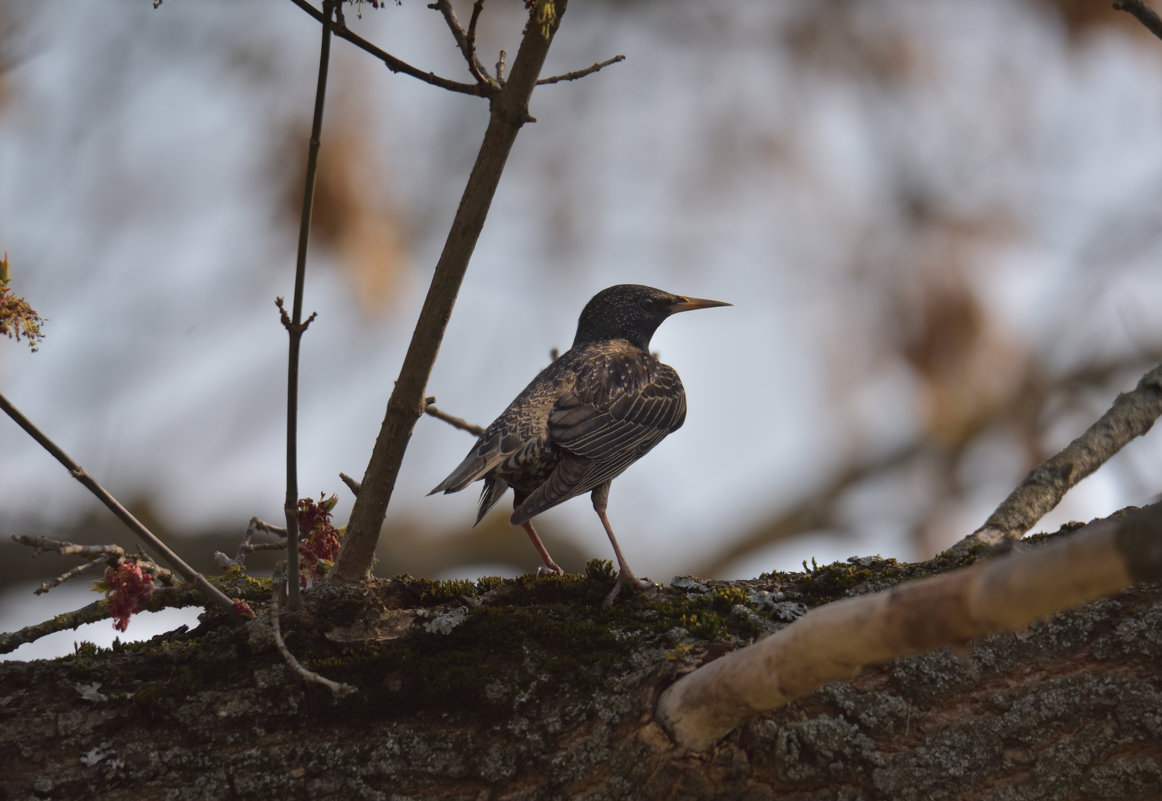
[[523, 690]]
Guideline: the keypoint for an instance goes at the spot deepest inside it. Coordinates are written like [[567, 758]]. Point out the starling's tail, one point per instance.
[[494, 488], [474, 466]]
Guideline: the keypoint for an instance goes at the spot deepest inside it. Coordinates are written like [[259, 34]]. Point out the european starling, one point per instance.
[[585, 418]]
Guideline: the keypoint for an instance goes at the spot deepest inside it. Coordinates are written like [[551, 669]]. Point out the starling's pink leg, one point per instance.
[[550, 565], [624, 574]]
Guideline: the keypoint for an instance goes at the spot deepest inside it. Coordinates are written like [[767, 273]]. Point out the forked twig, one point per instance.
[[394, 64], [465, 40]]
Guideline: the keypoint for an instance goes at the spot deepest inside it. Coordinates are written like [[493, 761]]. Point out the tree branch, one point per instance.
[[1144, 14], [575, 74], [509, 111], [394, 64], [1132, 415], [465, 41], [295, 326], [207, 589], [832, 642], [452, 420]]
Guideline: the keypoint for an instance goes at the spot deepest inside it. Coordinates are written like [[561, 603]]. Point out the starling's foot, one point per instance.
[[548, 570], [627, 579]]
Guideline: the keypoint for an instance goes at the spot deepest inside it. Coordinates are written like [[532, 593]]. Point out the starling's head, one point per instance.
[[632, 312]]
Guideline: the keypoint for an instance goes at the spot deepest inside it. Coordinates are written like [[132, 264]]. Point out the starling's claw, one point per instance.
[[627, 579], [548, 570]]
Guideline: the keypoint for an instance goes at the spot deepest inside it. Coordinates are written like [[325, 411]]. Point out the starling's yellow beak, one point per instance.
[[690, 304]]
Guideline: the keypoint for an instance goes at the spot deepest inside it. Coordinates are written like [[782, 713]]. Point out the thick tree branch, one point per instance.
[[832, 642], [509, 111], [1132, 415]]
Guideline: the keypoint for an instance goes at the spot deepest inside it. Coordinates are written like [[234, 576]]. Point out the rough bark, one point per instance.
[[516, 690]]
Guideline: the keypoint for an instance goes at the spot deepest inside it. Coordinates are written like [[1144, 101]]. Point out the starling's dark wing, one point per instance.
[[613, 416]]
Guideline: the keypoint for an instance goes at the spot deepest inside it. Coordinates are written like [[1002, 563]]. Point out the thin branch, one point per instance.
[[91, 613], [1132, 415], [95, 612], [467, 45], [451, 420], [98, 556], [351, 483], [295, 325], [832, 642], [65, 548], [575, 74], [1144, 14], [477, 7], [508, 112], [71, 573], [394, 64], [108, 555], [207, 589]]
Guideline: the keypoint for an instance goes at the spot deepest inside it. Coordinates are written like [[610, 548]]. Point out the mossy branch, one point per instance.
[[832, 642]]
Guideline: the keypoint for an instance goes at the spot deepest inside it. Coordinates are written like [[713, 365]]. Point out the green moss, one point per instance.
[[490, 583], [723, 598], [705, 625], [85, 649], [600, 570], [432, 593]]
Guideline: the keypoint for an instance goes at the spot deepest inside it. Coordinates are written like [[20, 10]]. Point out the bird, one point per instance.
[[594, 411]]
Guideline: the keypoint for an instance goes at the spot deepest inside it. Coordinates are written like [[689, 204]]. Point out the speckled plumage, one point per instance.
[[586, 417]]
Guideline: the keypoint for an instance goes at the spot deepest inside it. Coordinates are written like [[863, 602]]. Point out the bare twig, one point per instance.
[[351, 483], [65, 548], [394, 64], [337, 688], [71, 573], [465, 41], [509, 111], [98, 556], [1143, 13], [477, 7], [832, 642], [107, 555], [207, 589], [575, 74], [455, 422], [295, 325], [1132, 415], [245, 546]]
